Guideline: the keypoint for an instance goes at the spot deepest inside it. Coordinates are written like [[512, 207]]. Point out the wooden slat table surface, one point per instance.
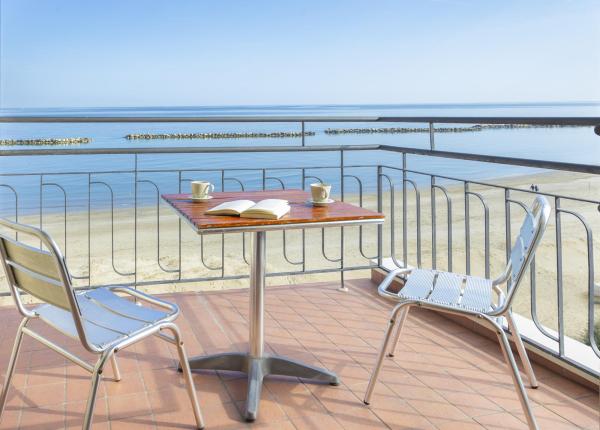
[[300, 215]]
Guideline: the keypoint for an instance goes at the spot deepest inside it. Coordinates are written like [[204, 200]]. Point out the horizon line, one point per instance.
[[413, 105]]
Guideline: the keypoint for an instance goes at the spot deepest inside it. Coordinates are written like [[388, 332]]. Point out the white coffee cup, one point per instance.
[[201, 189], [320, 192]]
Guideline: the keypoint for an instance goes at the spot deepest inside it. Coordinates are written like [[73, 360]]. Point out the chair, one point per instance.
[[472, 297], [103, 321]]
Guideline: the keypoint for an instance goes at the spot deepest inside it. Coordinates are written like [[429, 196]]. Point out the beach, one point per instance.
[[201, 256]]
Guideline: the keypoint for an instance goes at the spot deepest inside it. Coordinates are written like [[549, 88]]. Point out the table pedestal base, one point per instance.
[[257, 368]]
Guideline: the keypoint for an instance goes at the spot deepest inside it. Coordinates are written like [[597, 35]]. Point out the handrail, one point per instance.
[[187, 150], [514, 161], [534, 120]]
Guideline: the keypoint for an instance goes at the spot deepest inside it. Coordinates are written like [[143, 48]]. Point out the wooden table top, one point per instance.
[[301, 215]]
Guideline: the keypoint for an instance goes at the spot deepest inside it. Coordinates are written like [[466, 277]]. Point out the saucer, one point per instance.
[[323, 203], [201, 199]]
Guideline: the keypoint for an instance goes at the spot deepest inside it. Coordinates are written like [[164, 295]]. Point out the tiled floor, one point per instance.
[[443, 377]]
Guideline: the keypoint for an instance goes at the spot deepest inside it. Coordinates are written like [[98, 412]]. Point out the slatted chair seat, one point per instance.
[[449, 289], [107, 317]]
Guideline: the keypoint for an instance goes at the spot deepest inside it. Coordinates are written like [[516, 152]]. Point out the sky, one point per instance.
[[73, 53]]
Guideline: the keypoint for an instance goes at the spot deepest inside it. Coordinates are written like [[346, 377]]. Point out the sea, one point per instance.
[[22, 173]]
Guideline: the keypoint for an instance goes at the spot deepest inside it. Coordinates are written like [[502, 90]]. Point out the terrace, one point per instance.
[[448, 373]]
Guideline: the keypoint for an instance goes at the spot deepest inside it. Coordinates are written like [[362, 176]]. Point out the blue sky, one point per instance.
[[66, 53]]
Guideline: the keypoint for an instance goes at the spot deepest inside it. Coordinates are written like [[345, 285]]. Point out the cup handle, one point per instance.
[[211, 187]]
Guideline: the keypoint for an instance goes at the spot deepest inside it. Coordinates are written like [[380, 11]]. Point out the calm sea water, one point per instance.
[[558, 144]]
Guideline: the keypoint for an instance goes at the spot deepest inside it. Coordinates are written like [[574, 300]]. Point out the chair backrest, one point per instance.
[[34, 271], [41, 273], [527, 241]]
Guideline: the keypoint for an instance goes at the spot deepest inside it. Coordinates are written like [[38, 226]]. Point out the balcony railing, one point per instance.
[[435, 220]]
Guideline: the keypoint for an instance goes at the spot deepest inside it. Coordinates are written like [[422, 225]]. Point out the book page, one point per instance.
[[269, 208], [234, 207]]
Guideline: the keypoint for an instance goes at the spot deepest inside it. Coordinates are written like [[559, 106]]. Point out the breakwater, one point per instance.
[[471, 129], [233, 135], [39, 142]]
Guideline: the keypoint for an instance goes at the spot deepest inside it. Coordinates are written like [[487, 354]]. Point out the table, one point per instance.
[[256, 364]]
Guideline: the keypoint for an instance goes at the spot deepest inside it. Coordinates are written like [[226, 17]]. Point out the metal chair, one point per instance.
[[472, 297], [103, 321]]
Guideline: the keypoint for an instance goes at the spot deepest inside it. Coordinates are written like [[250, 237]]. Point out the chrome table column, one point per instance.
[[256, 363]]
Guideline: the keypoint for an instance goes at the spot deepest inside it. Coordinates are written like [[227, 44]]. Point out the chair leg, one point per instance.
[[115, 367], [384, 348], [516, 336], [187, 374], [516, 377], [400, 324], [91, 403], [12, 364]]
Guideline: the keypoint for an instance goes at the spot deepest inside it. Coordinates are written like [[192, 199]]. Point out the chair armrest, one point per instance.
[[171, 307], [382, 289]]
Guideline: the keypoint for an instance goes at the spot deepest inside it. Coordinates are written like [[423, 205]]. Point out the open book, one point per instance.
[[267, 209]]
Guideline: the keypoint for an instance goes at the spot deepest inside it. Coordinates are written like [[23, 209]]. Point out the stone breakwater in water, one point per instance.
[[64, 141], [474, 128], [277, 134]]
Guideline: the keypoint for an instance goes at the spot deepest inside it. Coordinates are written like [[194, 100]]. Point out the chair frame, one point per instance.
[[492, 319], [106, 353]]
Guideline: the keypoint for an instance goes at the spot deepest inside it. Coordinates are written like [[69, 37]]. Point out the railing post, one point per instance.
[[433, 226], [179, 226], [41, 206], [404, 214], [507, 226], [559, 278], [380, 210], [135, 213], [303, 231], [89, 227], [467, 231], [431, 137], [342, 283], [433, 209]]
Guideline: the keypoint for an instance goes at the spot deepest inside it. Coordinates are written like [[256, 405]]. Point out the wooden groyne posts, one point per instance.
[[232, 135], [39, 142], [471, 129]]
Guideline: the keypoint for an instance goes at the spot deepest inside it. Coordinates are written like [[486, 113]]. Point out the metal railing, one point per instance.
[[407, 231]]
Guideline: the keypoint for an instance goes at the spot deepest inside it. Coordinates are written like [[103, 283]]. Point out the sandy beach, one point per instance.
[[201, 257]]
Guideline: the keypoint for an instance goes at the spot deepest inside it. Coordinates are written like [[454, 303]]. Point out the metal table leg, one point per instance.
[[256, 364]]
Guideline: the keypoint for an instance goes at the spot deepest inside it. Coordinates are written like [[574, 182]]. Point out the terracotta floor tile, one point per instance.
[[472, 404], [10, 419], [312, 421], [437, 409], [129, 405], [48, 417], [360, 418], [577, 415], [501, 421], [130, 383], [75, 410], [45, 395], [295, 400], [443, 375], [456, 425]]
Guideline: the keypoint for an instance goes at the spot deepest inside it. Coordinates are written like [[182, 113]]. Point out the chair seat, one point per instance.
[[107, 317], [449, 289]]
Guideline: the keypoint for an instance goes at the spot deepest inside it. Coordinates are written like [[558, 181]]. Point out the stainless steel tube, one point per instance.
[[257, 290]]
